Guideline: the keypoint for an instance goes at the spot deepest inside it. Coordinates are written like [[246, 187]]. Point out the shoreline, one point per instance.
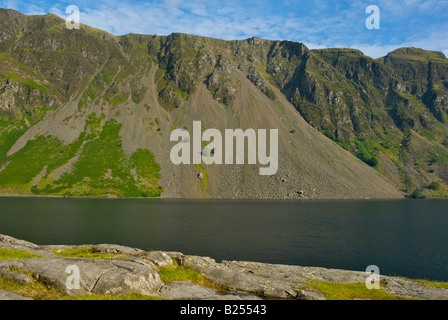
[[18, 195], [110, 271]]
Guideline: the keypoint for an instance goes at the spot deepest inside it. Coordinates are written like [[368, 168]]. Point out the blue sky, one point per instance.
[[317, 23]]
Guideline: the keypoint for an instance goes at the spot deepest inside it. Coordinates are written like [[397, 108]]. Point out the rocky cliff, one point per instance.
[[86, 113]]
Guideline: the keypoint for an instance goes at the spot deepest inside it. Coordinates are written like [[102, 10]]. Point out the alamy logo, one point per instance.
[[373, 279], [373, 21], [213, 152], [72, 281], [72, 21]]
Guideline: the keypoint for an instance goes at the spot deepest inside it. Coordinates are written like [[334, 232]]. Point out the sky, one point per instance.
[[316, 23]]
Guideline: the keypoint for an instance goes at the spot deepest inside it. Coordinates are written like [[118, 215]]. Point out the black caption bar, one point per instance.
[[230, 309]]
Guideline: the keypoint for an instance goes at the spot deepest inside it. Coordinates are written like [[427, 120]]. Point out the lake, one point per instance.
[[402, 237]]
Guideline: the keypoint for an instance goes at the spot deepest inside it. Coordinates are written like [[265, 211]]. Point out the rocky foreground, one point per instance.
[[125, 270]]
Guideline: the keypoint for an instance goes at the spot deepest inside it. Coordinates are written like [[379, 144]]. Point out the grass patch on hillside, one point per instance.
[[204, 180], [350, 291], [95, 125], [367, 152], [16, 254], [104, 169], [7, 140], [36, 85], [101, 168], [148, 171], [117, 100], [28, 162]]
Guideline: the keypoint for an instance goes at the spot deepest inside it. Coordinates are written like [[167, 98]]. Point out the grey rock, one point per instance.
[[98, 248], [181, 290], [136, 273], [128, 277], [7, 242], [235, 297], [245, 279], [160, 259], [3, 269], [177, 256], [116, 249], [285, 281], [413, 289], [13, 241], [18, 277], [96, 276], [10, 295], [310, 294]]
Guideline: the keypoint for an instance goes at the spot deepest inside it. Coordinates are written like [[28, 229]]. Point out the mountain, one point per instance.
[[86, 113]]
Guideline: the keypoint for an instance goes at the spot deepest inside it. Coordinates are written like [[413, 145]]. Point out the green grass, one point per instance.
[[428, 283], [98, 157], [204, 180], [16, 254], [36, 85], [95, 125], [148, 171], [87, 253], [117, 100], [34, 115], [187, 274], [443, 285], [30, 160], [35, 290], [350, 291], [7, 140], [367, 152], [418, 194], [103, 168], [434, 186], [106, 77], [40, 291]]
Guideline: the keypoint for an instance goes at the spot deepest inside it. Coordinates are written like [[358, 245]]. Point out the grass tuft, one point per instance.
[[187, 274], [87, 253], [350, 291], [17, 254]]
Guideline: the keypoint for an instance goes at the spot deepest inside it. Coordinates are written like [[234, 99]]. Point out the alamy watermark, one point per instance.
[[373, 21], [72, 21], [214, 153], [73, 280], [373, 280]]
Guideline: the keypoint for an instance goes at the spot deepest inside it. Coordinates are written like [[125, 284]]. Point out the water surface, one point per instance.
[[402, 237]]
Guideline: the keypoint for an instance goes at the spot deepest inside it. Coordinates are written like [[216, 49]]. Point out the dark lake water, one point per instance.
[[405, 237]]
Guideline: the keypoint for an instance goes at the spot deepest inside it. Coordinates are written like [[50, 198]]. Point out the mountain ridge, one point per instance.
[[74, 92]]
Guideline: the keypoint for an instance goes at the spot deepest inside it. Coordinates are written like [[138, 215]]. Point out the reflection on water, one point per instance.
[[407, 238]]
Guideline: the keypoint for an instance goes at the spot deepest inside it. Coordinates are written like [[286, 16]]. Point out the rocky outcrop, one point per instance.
[[105, 277], [10, 295], [126, 270], [181, 290]]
